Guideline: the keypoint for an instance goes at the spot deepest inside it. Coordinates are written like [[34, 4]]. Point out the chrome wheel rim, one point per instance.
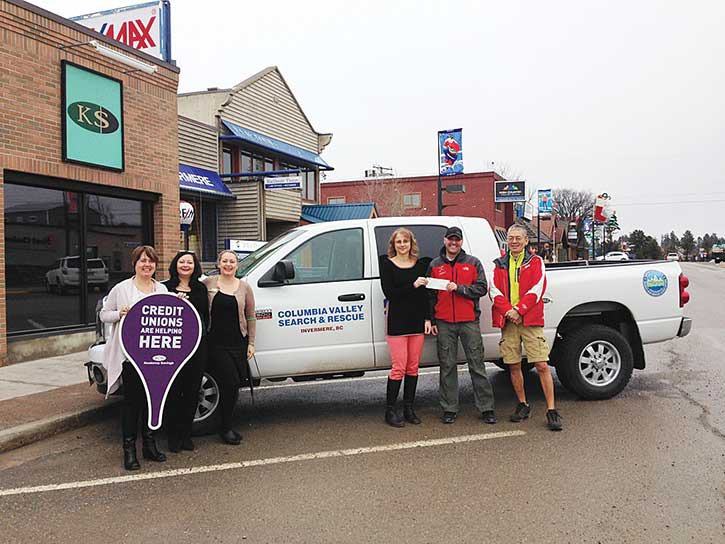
[[208, 398], [600, 363]]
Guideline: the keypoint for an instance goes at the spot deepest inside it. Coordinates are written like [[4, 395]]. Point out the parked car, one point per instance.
[[616, 256], [320, 307], [66, 273], [672, 257]]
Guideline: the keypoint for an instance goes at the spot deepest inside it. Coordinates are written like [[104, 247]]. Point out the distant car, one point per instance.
[[616, 256], [66, 274], [672, 257]]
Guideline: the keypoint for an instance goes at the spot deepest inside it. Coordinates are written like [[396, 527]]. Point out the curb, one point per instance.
[[22, 435]]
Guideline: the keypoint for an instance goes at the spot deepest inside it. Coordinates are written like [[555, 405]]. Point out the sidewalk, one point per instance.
[[41, 398]]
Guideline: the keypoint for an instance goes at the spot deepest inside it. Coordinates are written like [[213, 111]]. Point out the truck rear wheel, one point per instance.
[[596, 362], [208, 415]]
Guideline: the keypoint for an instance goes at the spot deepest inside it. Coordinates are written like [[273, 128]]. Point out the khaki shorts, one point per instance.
[[535, 344]]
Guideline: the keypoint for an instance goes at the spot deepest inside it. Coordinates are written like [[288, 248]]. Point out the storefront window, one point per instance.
[[115, 227], [63, 251], [227, 161]]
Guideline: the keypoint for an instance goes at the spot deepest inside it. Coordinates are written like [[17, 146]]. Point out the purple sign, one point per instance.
[[158, 335]]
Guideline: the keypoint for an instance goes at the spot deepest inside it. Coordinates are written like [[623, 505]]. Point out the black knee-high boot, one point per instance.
[[130, 461], [411, 383], [391, 416], [149, 449]]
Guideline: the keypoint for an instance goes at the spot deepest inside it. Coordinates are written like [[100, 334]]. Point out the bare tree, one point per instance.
[[386, 193], [571, 205]]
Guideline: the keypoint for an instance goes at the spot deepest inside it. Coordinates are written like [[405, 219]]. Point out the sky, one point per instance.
[[614, 96]]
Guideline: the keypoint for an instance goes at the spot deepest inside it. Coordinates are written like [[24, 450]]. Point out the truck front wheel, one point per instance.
[[596, 362]]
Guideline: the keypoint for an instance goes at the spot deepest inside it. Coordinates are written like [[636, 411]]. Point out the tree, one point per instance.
[[643, 246], [386, 193], [571, 205], [687, 243]]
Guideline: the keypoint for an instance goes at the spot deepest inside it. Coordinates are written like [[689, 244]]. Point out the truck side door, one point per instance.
[[319, 321]]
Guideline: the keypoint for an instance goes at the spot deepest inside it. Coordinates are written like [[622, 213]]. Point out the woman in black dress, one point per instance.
[[184, 274], [232, 328], [402, 276]]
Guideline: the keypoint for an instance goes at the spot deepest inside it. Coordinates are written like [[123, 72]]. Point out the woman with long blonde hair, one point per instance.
[[403, 280]]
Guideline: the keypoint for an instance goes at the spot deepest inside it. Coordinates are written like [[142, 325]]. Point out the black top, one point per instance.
[[199, 299], [407, 305], [225, 322]]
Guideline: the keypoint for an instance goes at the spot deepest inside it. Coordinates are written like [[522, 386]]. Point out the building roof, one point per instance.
[[319, 213]]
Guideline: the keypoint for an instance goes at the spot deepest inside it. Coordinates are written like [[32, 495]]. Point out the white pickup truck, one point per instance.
[[320, 307]]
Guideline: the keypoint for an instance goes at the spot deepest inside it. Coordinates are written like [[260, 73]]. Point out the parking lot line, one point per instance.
[[261, 462]]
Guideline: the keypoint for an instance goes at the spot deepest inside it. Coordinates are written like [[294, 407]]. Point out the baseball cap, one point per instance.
[[454, 231]]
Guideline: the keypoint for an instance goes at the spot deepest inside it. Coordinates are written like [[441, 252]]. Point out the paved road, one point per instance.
[[318, 465]]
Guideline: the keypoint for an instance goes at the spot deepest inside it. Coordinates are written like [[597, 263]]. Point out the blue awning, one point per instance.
[[203, 181], [274, 145], [319, 213]]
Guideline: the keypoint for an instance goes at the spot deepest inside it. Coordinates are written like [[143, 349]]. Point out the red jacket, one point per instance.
[[460, 305], [532, 285]]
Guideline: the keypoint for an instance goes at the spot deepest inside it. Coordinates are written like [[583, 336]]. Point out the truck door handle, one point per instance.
[[546, 299], [351, 297]]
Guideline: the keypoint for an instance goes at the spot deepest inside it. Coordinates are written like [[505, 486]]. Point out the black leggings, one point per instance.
[[228, 366], [134, 405], [184, 395]]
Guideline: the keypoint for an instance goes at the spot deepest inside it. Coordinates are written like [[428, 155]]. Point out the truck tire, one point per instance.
[[596, 362], [208, 415]]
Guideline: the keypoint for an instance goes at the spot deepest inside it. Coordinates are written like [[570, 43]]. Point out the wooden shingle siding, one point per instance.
[[254, 107], [239, 219], [282, 205], [198, 144]]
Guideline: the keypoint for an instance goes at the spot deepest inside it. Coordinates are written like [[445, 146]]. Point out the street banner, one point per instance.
[[510, 191], [546, 203], [159, 334], [145, 27], [450, 152]]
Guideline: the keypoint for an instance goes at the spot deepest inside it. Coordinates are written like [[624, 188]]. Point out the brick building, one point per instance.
[[76, 200], [417, 196]]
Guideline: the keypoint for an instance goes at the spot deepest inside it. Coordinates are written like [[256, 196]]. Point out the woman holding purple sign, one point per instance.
[[184, 274], [119, 300], [232, 327]]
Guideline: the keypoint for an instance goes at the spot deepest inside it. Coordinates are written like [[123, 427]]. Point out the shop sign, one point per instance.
[[510, 191], [145, 27], [159, 334], [91, 118], [287, 182]]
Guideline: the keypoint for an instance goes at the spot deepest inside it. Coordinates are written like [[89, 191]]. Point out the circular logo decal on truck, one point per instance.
[[655, 283]]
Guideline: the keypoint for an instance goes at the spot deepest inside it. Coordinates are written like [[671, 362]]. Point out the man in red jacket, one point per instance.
[[455, 315], [519, 283]]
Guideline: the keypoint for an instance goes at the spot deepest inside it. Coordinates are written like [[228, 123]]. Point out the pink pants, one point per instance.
[[405, 352]]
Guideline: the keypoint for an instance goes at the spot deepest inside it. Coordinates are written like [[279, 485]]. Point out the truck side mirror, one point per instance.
[[283, 270], [280, 272]]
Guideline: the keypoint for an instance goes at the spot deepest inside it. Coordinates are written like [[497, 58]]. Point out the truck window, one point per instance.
[[332, 256], [429, 238]]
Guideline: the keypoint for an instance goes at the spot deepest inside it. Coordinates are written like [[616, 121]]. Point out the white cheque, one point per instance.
[[437, 283]]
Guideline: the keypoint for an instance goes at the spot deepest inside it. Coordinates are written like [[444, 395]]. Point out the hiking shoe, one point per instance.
[[521, 412], [553, 420], [488, 416], [448, 417]]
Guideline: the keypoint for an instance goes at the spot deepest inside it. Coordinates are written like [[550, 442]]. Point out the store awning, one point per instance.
[[272, 144], [319, 213], [203, 181]]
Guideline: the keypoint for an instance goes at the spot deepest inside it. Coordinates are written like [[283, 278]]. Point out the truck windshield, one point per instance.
[[251, 261]]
